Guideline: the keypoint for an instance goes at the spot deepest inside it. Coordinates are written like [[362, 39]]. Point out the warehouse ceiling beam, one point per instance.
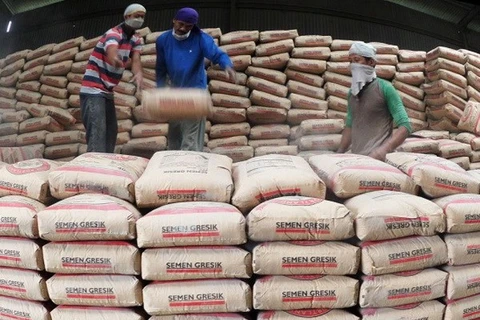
[[463, 23]]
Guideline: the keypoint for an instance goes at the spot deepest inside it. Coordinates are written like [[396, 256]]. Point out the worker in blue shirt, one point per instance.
[[180, 56]]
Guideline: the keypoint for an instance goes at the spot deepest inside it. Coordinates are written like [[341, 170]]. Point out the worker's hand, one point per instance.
[[117, 62], [138, 80], [231, 74], [379, 153]]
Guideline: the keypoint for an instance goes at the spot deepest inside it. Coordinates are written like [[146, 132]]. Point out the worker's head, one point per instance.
[[362, 53], [134, 15], [184, 21]]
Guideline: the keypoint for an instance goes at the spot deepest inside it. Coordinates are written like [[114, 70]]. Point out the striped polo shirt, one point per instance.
[[101, 77]]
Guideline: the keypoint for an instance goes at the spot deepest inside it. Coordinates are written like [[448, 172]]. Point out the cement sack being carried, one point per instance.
[[21, 253], [383, 215], [27, 178], [411, 253], [318, 314], [95, 290], [348, 175], [23, 284], [402, 288], [436, 176], [18, 216], [304, 292], [191, 223], [463, 281], [299, 218], [305, 257], [461, 211], [93, 172], [271, 176], [88, 313], [201, 262], [106, 257], [463, 248], [431, 310], [466, 308], [13, 308], [190, 296], [179, 176]]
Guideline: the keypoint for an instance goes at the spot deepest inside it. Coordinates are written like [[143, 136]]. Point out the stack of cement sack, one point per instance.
[[192, 236], [472, 67]]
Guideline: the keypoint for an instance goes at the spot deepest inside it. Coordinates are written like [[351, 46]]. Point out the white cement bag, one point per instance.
[[304, 77], [461, 211], [201, 316], [402, 288], [87, 313], [191, 223], [178, 176], [202, 262], [430, 134], [411, 253], [322, 126], [431, 310], [106, 257], [466, 308], [271, 176], [304, 292], [267, 74], [319, 314], [287, 150], [419, 145], [236, 153], [12, 308], [463, 281], [463, 248], [320, 53], [305, 257], [179, 297], [95, 290], [18, 216], [313, 41], [20, 253], [348, 175], [93, 172], [23, 284]]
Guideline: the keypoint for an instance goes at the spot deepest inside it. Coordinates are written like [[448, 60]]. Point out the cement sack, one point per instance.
[[306, 90], [83, 56], [54, 92], [411, 66], [191, 223], [88, 217], [23, 284], [180, 297], [409, 89], [430, 134], [122, 113], [144, 147], [58, 69], [16, 154], [11, 80], [125, 88], [266, 150], [268, 143], [86, 313], [8, 93], [470, 120], [412, 78], [448, 111], [322, 126], [20, 253], [227, 142], [255, 83], [474, 157], [424, 170], [7, 104], [466, 308], [470, 68], [215, 86], [200, 262], [439, 86], [8, 141], [307, 65], [338, 104], [318, 53], [304, 292], [461, 212], [431, 310], [473, 94], [447, 75], [303, 102], [296, 116], [240, 63], [28, 96], [320, 314], [402, 288], [75, 77], [407, 215], [62, 151], [267, 74], [60, 103], [269, 100], [320, 142], [384, 48], [236, 153], [18, 216], [126, 100], [277, 35], [64, 137], [304, 77], [105, 257], [276, 61], [229, 101], [443, 124], [293, 176], [463, 248], [31, 138], [269, 131], [337, 78], [299, 218], [143, 130], [407, 254], [241, 48], [441, 63], [67, 44], [339, 56], [148, 61], [29, 85], [313, 41], [240, 78], [40, 51], [152, 37], [229, 130], [275, 47], [305, 257], [124, 125], [411, 102], [419, 145], [95, 290], [12, 68], [8, 128], [451, 149], [385, 71], [463, 162], [12, 308], [54, 81], [447, 53], [369, 174], [239, 36], [17, 116], [27, 178], [463, 281], [266, 115], [113, 175], [68, 54]]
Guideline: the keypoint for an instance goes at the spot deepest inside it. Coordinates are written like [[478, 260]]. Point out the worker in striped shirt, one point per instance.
[[117, 47]]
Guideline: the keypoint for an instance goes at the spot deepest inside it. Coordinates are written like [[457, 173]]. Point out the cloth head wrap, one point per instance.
[[363, 49], [134, 7], [187, 15]]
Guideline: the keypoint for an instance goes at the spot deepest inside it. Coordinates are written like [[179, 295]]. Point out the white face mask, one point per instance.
[[135, 23], [361, 75], [181, 37]]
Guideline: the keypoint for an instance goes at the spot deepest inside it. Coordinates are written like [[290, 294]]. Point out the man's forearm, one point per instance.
[[346, 140], [397, 138]]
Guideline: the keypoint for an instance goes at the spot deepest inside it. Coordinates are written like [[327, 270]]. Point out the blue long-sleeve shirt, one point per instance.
[[183, 61]]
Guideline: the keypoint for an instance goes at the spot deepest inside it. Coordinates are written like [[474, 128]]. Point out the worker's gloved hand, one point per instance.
[[231, 74]]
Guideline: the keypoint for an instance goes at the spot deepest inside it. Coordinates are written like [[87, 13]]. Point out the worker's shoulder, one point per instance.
[[384, 84]]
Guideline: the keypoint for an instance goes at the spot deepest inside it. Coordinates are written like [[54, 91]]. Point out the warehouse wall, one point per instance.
[[347, 19]]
